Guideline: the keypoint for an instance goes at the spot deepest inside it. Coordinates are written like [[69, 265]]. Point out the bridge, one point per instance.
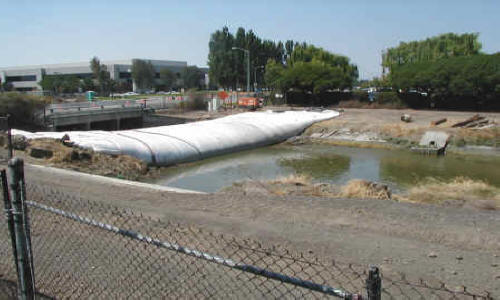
[[87, 116]]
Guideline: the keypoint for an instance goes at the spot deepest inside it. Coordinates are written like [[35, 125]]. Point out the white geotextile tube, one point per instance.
[[167, 145]]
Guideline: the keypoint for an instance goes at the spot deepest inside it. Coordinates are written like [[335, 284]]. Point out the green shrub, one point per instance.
[[21, 107]]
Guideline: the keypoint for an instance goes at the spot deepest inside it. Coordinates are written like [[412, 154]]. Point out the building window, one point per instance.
[[21, 78], [24, 89], [125, 75]]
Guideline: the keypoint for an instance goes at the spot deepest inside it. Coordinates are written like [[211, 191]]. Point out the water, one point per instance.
[[397, 168]]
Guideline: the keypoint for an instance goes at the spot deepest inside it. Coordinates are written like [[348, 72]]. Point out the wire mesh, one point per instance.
[[75, 260]]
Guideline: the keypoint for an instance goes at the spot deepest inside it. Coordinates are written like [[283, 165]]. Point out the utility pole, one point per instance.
[[247, 52]]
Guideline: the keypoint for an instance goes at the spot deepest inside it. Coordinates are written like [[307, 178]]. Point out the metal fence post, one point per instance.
[[10, 220], [24, 263], [374, 284]]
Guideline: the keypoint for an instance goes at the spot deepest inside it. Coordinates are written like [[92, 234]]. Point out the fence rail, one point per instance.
[[84, 249]]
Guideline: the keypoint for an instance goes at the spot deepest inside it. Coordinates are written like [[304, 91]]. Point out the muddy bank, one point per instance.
[[384, 128], [459, 192]]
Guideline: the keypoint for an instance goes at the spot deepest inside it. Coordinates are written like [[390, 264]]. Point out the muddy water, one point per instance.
[[397, 168]]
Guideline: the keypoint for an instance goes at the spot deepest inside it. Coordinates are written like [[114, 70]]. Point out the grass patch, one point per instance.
[[475, 192], [365, 189]]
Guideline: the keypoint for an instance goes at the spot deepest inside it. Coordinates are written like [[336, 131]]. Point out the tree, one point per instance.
[[431, 49], [87, 84], [7, 86], [453, 82], [60, 83], [143, 74], [101, 75], [228, 67], [312, 70], [167, 79], [192, 77]]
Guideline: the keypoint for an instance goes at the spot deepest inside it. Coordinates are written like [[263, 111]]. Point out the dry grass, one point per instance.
[[365, 189], [472, 192], [121, 166]]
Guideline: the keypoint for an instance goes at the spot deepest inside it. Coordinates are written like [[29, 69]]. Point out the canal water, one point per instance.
[[333, 164]]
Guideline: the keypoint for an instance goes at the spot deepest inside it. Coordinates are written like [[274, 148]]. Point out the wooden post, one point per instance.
[[24, 263]]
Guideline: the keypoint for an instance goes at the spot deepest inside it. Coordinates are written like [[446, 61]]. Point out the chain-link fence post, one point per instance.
[[24, 264], [9, 216], [374, 284]]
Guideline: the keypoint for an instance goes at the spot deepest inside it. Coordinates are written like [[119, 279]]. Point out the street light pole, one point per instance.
[[247, 52], [255, 76]]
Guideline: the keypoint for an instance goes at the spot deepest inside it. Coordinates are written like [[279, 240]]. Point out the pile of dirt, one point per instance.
[[55, 153]]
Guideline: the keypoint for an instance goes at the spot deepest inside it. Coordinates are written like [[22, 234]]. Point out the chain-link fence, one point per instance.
[[84, 249]]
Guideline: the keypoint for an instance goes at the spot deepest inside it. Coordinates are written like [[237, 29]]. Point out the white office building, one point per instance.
[[26, 78]]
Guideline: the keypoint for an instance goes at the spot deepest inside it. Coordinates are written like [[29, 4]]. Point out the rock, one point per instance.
[[41, 153], [494, 265], [432, 255], [459, 257], [406, 118], [19, 142]]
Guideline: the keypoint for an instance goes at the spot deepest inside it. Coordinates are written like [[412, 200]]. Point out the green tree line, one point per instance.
[[453, 82], [228, 66], [310, 69], [279, 65], [431, 49]]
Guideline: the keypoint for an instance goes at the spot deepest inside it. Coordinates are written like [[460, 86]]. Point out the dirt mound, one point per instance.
[[84, 160]]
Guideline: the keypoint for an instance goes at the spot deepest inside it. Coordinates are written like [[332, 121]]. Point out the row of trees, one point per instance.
[[310, 69], [432, 49], [446, 71], [472, 79], [279, 65], [228, 66]]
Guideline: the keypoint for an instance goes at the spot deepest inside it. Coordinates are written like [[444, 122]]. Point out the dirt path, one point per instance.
[[368, 125], [457, 246]]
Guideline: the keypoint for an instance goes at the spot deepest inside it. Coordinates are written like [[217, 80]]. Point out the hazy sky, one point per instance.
[[39, 32]]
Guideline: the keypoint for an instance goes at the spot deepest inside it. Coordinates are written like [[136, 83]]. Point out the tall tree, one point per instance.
[[192, 77], [167, 78], [101, 75], [311, 70], [143, 74]]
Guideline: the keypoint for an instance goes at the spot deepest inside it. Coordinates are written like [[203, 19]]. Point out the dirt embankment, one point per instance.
[[459, 192], [384, 128], [51, 152]]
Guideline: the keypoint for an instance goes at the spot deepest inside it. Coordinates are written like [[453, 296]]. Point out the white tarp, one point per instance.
[[166, 145]]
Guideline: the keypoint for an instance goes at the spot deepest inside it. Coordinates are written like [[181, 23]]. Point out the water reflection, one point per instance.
[[397, 168]]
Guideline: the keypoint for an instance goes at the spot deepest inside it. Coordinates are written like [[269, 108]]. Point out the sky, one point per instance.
[[44, 32]]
